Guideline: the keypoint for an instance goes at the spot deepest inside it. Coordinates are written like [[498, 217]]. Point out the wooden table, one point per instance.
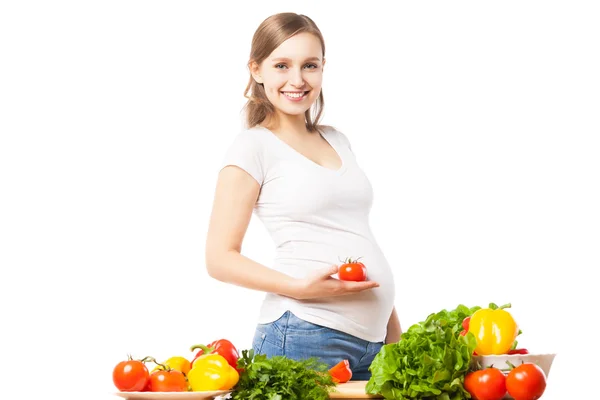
[[355, 390], [352, 390]]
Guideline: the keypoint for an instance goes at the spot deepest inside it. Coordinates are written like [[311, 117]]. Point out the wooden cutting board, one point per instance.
[[352, 390]]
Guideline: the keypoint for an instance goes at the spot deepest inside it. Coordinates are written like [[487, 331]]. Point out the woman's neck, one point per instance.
[[287, 124]]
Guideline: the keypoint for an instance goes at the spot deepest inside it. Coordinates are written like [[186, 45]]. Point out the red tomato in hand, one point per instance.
[[168, 381], [130, 376], [486, 384], [352, 270], [526, 382]]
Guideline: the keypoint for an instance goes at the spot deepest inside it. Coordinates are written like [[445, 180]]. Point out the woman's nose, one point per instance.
[[296, 79]]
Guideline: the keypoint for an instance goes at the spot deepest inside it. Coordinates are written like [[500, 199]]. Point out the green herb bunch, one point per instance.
[[281, 378]]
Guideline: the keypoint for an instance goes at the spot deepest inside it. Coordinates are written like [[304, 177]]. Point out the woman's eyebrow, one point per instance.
[[288, 59]]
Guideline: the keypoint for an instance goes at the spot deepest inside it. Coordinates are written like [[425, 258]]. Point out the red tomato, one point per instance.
[[147, 387], [526, 382], [130, 376], [168, 381], [352, 270], [486, 384]]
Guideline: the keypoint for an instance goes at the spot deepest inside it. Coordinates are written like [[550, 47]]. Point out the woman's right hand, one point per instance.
[[322, 284]]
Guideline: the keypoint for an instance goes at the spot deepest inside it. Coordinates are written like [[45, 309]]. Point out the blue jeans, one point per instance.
[[295, 338]]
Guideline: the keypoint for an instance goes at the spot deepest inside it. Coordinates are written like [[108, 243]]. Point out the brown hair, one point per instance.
[[273, 31]]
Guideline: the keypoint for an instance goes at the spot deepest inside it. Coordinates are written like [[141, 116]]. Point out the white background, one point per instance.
[[477, 123]]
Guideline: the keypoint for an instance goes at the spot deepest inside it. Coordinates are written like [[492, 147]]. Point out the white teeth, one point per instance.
[[294, 95]]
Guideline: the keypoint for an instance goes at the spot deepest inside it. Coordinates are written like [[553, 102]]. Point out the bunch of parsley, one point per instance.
[[281, 378], [429, 362]]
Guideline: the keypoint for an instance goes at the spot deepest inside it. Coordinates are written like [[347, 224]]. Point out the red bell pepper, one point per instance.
[[222, 347], [465, 325], [341, 372], [518, 351]]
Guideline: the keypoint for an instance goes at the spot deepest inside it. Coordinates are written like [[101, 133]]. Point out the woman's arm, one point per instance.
[[394, 330], [235, 196]]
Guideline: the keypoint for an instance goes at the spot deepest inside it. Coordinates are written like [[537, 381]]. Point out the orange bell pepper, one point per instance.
[[341, 372], [495, 331]]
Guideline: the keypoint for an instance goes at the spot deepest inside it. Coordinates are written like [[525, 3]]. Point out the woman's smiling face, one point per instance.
[[292, 74]]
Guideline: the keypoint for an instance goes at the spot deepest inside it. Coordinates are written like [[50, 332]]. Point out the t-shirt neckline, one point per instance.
[[341, 169]]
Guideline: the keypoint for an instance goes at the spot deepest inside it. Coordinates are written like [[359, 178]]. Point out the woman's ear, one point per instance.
[[323, 64], [255, 71]]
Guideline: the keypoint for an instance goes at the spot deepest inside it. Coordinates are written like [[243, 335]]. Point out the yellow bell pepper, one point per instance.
[[212, 372], [495, 331], [234, 378]]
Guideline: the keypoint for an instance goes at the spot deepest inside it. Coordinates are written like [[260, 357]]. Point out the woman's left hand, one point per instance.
[[322, 284]]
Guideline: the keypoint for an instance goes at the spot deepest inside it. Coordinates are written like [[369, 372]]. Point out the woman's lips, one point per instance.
[[295, 96]]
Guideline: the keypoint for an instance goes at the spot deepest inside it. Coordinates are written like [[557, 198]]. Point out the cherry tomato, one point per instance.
[[486, 384], [526, 382], [168, 381], [352, 270], [130, 376]]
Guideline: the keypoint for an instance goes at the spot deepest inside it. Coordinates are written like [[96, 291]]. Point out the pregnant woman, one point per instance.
[[303, 182]]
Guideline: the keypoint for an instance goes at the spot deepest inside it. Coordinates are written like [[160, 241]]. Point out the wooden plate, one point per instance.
[[172, 395]]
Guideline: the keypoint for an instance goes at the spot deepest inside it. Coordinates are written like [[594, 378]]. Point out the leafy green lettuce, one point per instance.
[[429, 362]]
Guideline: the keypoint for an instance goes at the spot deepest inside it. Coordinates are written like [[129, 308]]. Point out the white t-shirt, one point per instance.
[[316, 217]]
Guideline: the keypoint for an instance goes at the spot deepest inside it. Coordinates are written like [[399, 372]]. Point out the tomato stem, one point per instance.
[[349, 260], [162, 366]]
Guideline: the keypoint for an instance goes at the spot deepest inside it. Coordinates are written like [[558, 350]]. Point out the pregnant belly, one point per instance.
[[307, 258], [299, 259], [363, 313]]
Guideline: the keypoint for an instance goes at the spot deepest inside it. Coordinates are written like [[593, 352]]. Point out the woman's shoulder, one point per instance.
[[247, 151], [338, 135], [253, 138], [256, 133]]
